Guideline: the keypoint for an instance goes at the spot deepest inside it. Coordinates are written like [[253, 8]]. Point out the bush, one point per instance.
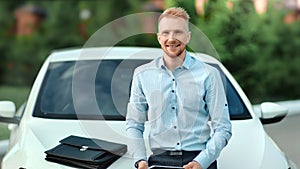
[[261, 51]]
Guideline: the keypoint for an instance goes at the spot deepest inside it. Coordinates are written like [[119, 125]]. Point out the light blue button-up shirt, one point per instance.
[[178, 106]]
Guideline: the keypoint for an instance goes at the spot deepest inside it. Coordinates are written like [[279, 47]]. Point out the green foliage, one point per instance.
[[16, 94], [261, 51], [22, 56], [4, 132], [23, 60]]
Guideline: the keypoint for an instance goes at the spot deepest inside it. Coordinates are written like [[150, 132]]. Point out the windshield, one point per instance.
[[100, 90]]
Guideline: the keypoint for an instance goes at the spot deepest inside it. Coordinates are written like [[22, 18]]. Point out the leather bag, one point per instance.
[[81, 152]]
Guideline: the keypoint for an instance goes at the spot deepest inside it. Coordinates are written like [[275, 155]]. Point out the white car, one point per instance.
[[84, 92]]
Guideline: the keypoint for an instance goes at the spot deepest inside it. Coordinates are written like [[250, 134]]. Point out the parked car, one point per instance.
[[85, 92]]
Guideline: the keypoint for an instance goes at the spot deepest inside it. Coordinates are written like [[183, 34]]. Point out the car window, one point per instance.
[[237, 108], [100, 90]]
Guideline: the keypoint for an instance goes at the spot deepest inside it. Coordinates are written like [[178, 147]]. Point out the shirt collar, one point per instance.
[[187, 63]]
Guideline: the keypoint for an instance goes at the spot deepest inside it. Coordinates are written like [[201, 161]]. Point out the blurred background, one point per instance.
[[257, 40]]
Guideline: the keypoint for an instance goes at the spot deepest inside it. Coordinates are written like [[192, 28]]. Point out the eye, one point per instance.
[[165, 33], [178, 32]]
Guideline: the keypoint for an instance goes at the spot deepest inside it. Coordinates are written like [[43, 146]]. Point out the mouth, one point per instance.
[[172, 45]]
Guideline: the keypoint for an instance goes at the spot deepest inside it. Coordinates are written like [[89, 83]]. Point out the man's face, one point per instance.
[[173, 35]]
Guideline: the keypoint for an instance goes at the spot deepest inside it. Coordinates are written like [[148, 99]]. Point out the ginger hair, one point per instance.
[[176, 12]]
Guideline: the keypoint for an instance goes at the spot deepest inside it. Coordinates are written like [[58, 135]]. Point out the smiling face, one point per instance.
[[173, 35]]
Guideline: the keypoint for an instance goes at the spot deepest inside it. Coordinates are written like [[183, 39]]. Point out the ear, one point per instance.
[[158, 37], [188, 37]]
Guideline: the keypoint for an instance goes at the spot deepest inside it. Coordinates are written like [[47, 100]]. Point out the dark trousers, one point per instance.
[[177, 158]]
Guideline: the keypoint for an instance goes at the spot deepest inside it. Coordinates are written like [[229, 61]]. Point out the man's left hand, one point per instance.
[[192, 165]]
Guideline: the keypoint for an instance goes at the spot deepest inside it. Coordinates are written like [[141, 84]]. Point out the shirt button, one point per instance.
[[173, 108], [173, 80], [175, 127], [178, 143], [173, 91]]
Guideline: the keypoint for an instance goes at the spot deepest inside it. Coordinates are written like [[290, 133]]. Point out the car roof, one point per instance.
[[114, 53]]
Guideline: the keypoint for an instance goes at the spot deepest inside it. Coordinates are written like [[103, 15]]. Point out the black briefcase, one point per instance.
[[81, 152]]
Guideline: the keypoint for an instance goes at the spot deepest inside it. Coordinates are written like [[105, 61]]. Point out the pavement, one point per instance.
[[3, 148], [286, 135]]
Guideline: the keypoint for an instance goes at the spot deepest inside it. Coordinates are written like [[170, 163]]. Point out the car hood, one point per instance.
[[246, 146], [249, 146], [44, 134]]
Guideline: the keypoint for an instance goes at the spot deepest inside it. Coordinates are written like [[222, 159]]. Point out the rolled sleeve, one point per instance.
[[135, 118], [220, 121]]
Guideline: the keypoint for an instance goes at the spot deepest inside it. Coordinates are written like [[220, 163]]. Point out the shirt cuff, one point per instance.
[[203, 161]]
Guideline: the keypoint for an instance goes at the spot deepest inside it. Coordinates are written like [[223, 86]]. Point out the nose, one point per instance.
[[171, 35]]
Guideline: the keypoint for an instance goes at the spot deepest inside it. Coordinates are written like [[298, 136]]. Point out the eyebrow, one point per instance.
[[175, 30]]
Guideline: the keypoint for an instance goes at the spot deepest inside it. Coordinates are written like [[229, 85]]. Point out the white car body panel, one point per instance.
[[249, 147]]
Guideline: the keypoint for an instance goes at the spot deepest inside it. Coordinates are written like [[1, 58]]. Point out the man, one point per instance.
[[178, 95]]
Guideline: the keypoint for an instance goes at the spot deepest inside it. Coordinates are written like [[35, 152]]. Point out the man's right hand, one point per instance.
[[143, 165]]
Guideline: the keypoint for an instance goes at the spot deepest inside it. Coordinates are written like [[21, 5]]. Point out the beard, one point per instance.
[[173, 48]]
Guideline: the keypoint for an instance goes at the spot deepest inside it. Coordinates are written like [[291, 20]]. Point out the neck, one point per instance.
[[173, 62]]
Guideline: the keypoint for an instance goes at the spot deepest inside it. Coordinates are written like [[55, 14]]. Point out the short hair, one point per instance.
[[176, 12]]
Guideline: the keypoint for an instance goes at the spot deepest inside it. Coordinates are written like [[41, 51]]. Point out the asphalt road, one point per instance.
[[287, 136]]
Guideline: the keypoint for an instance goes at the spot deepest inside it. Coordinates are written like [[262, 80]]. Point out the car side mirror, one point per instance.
[[7, 112], [272, 112]]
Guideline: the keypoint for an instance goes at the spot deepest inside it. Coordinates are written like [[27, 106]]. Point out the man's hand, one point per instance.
[[192, 165], [143, 165]]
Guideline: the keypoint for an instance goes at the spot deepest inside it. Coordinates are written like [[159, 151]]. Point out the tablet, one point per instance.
[[164, 167]]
